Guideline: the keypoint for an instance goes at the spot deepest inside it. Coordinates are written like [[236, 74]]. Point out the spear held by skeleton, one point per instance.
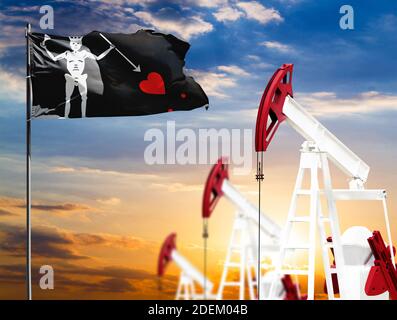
[[136, 68]]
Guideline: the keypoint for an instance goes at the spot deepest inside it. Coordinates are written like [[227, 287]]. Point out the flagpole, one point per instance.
[[28, 170]]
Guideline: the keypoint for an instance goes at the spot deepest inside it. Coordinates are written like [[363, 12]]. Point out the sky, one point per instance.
[[100, 213]]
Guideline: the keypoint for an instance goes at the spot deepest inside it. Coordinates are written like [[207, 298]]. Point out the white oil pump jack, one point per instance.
[[242, 253], [278, 105], [189, 276]]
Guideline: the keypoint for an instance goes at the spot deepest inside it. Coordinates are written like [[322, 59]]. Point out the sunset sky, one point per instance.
[[100, 213]]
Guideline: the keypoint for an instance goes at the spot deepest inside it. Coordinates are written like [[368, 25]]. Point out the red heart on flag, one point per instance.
[[153, 85]]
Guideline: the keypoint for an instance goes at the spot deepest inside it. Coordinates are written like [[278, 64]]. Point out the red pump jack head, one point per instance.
[[213, 187], [213, 191], [165, 256], [271, 105]]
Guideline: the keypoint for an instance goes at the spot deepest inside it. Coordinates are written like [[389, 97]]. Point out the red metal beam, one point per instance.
[[165, 258], [383, 275], [213, 187], [279, 86], [291, 289]]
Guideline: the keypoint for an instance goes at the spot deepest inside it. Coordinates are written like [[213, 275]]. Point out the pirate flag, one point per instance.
[[110, 74]]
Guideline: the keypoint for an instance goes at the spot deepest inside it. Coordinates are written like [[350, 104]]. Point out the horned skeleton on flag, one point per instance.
[[75, 63]]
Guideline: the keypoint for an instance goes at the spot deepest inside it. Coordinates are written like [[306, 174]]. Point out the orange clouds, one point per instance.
[[123, 242], [10, 206], [13, 206], [55, 243], [63, 250], [64, 207]]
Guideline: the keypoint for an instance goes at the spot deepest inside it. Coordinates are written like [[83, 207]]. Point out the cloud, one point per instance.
[[290, 2], [11, 206], [198, 247], [384, 23], [115, 279], [6, 213], [256, 11], [168, 20], [96, 172], [118, 279], [123, 2], [56, 243], [105, 271], [48, 242], [69, 269], [263, 65], [256, 62], [112, 15], [322, 94], [213, 83], [14, 23], [11, 202], [232, 69], [206, 3], [12, 86], [112, 285], [108, 240], [252, 10], [12, 273], [30, 9], [328, 104], [109, 201], [275, 45], [227, 14], [253, 57], [14, 206], [178, 187], [64, 207]]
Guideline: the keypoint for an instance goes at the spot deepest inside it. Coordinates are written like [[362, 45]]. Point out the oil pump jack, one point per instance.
[[189, 276], [242, 252], [278, 105]]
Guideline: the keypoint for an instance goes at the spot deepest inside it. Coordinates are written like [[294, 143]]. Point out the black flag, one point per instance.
[[109, 74]]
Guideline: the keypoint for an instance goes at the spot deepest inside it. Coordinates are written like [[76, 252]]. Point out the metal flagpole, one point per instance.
[[28, 170]]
